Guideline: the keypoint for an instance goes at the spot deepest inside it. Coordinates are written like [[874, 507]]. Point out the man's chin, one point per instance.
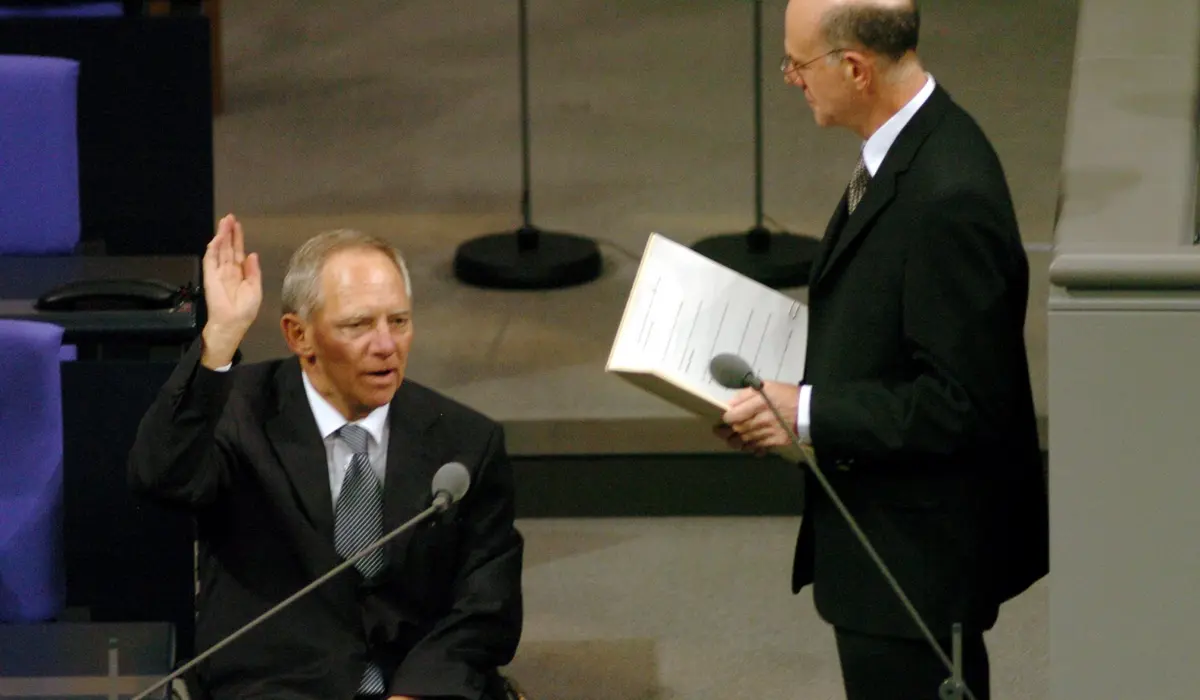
[[378, 391]]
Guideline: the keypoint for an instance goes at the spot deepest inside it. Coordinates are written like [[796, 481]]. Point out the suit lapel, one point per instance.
[[828, 241], [882, 189], [879, 193], [410, 465], [297, 441]]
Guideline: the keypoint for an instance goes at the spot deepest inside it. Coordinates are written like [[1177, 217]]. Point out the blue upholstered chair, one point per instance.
[[32, 578], [39, 156]]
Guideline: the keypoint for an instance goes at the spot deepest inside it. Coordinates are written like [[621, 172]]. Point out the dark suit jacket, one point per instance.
[[922, 415], [242, 449]]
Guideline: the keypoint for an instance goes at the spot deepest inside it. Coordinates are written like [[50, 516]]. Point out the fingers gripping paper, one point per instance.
[[684, 309]]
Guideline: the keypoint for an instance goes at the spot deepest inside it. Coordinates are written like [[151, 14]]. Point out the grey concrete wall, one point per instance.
[[1129, 153], [1123, 378]]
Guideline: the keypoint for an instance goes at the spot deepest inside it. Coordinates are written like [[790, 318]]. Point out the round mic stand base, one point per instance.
[[953, 687], [952, 690], [528, 258], [777, 260]]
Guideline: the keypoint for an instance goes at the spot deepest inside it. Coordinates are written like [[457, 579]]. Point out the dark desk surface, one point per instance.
[[24, 279]]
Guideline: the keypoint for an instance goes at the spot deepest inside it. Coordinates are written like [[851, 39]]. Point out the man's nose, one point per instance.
[[382, 342]]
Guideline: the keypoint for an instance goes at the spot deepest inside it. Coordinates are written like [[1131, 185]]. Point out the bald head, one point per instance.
[[887, 28]]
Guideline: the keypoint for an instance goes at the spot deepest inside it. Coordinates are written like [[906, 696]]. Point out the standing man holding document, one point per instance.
[[916, 397]]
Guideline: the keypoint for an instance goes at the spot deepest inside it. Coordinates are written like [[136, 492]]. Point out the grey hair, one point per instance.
[[301, 283], [887, 31]]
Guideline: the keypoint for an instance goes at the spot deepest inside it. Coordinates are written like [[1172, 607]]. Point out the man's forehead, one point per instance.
[[799, 45], [355, 268], [360, 285], [802, 24], [807, 11]]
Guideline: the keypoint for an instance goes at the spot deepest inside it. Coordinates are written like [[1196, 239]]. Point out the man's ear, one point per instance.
[[859, 69], [297, 334]]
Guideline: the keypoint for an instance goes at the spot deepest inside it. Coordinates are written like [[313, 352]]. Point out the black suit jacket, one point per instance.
[[242, 449], [922, 415]]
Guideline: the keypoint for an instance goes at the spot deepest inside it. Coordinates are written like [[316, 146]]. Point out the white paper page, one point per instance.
[[685, 309]]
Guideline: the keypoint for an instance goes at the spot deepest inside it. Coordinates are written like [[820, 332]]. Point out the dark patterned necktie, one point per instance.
[[358, 521], [858, 184]]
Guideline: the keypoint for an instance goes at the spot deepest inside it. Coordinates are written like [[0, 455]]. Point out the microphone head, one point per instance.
[[732, 372], [452, 481]]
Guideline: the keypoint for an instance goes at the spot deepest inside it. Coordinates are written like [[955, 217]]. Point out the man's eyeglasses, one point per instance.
[[789, 67]]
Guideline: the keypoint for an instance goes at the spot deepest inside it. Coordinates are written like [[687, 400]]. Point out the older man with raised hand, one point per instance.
[[293, 466], [916, 395]]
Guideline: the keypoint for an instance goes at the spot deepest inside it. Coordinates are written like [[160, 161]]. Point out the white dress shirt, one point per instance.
[[873, 153], [337, 452]]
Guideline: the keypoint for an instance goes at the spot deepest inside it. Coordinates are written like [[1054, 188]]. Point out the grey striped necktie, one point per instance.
[[858, 183], [358, 521]]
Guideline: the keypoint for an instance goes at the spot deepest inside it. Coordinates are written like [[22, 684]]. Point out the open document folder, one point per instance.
[[683, 310]]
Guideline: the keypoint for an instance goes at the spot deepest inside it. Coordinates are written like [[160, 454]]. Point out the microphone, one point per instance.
[[732, 372], [450, 484]]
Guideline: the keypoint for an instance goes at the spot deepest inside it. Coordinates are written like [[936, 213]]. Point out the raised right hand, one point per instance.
[[232, 292]]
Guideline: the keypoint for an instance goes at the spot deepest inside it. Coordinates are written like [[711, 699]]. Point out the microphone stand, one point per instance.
[[441, 502], [529, 258], [775, 259], [952, 688]]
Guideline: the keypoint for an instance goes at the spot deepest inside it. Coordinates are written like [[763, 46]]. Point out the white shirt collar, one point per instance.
[[329, 420], [878, 144]]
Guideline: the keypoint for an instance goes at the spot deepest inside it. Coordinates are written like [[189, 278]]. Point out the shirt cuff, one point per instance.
[[224, 368], [803, 417]]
